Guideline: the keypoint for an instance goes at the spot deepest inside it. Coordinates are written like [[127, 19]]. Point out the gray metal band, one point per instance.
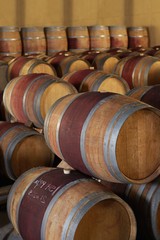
[[14, 187], [133, 90], [77, 213], [9, 53], [10, 149], [98, 82], [33, 52], [111, 136], [68, 64], [26, 92], [83, 133], [10, 39], [6, 132], [100, 36], [56, 37], [81, 36], [54, 28], [9, 29], [85, 79], [37, 99], [54, 200], [133, 73], [98, 27], [127, 190], [99, 48], [140, 36], [119, 35], [33, 38]]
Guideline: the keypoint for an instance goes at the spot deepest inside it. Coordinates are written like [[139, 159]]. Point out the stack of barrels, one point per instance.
[[89, 96], [15, 41]]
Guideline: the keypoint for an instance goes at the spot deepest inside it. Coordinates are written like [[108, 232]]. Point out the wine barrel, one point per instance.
[[145, 202], [99, 37], [33, 40], [41, 95], [139, 70], [144, 199], [31, 96], [14, 93], [69, 64], [22, 148], [24, 65], [105, 62], [56, 39], [10, 41], [147, 94], [118, 36], [76, 77], [102, 82], [43, 192], [109, 136], [78, 39], [138, 37]]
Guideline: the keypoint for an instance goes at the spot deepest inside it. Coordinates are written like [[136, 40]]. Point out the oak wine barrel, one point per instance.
[[56, 39], [22, 148], [33, 40], [121, 148], [43, 192], [10, 41], [78, 39], [99, 37]]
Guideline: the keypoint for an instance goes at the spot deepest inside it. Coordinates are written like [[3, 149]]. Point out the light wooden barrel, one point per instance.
[[24, 65], [10, 41], [147, 94], [14, 94], [41, 94], [138, 37], [140, 71], [76, 77], [43, 192], [99, 37], [105, 62], [33, 40], [55, 62], [22, 148], [118, 36], [70, 64], [56, 39], [144, 199], [145, 202], [78, 39], [102, 82], [112, 139]]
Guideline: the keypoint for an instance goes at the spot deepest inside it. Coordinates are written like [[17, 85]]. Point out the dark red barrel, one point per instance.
[[147, 94]]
